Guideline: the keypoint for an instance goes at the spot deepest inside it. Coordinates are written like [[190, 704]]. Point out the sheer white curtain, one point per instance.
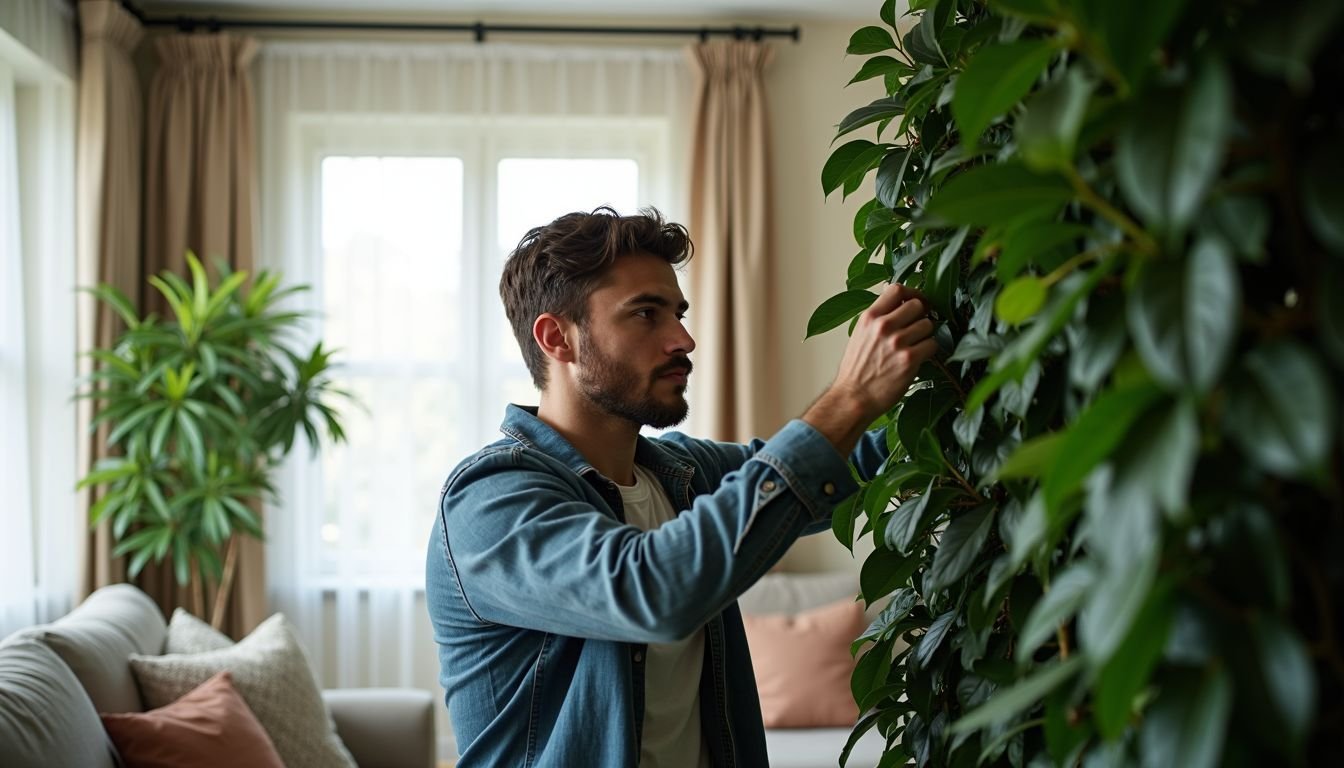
[[394, 179], [39, 525]]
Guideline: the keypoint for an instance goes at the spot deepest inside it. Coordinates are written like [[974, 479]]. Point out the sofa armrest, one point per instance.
[[385, 727]]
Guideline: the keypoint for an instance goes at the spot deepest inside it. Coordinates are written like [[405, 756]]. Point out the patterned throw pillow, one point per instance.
[[271, 672]]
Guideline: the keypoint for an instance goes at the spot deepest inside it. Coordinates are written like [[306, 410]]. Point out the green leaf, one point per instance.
[[1281, 409], [842, 521], [913, 516], [847, 160], [890, 182], [1128, 34], [888, 12], [933, 638], [996, 79], [837, 310], [998, 194], [1187, 726], [1169, 436], [862, 727], [921, 43], [1031, 10], [1323, 197], [1007, 702], [1243, 223], [1286, 43], [1047, 132], [881, 109], [975, 346], [871, 671], [884, 571], [1128, 671], [1021, 299], [1032, 458], [871, 275], [1184, 315], [870, 40], [1289, 675], [1093, 437], [1060, 602], [1035, 243], [960, 544], [882, 223], [921, 410], [879, 66], [1169, 152]]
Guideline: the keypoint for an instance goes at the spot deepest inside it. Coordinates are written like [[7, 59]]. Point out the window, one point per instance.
[[415, 225], [37, 340]]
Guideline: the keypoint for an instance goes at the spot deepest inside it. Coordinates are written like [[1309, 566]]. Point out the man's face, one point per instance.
[[633, 351]]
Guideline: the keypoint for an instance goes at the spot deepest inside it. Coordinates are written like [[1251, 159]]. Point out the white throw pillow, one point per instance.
[[271, 672]]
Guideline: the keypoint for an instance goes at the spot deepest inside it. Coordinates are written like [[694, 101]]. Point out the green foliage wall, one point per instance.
[[1111, 529]]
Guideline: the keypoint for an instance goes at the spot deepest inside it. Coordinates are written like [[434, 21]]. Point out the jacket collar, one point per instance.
[[522, 424]]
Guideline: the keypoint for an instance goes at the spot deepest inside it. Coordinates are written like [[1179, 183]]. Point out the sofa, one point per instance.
[[782, 602], [56, 678]]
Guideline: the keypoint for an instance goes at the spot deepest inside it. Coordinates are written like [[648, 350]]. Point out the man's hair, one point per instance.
[[555, 268]]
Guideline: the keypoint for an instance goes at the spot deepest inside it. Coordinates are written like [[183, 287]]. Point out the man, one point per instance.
[[581, 578]]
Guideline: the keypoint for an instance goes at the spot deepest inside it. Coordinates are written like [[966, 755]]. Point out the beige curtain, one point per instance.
[[731, 275], [107, 238], [200, 194]]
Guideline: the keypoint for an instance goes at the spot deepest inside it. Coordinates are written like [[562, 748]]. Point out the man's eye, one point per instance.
[[644, 313]]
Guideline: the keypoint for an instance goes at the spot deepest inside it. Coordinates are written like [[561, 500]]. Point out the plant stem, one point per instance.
[[950, 379], [1089, 197], [197, 590], [225, 584], [1062, 635], [969, 488], [1091, 254]]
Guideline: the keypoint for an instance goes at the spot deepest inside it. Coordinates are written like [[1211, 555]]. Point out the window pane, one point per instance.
[[392, 250], [534, 191], [392, 304]]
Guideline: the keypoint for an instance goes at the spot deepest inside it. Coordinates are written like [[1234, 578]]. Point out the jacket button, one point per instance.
[[828, 489], [639, 656], [768, 486]]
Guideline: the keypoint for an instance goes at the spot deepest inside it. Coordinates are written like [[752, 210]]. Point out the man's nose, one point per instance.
[[682, 342]]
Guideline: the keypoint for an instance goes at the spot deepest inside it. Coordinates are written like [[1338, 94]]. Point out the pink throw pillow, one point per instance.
[[209, 726], [803, 665]]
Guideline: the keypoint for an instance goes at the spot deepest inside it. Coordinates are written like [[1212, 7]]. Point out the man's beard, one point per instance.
[[619, 390]]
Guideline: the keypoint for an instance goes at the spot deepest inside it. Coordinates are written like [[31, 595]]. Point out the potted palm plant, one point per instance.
[[200, 407]]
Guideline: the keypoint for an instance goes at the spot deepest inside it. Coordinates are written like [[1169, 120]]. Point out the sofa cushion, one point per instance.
[[209, 727], [797, 592], [188, 634], [803, 666], [46, 718], [98, 637], [271, 672]]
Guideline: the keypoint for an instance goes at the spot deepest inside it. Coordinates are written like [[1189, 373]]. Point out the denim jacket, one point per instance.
[[542, 599]]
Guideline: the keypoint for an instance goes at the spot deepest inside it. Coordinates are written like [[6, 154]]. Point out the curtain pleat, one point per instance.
[[107, 236], [200, 195], [732, 274]]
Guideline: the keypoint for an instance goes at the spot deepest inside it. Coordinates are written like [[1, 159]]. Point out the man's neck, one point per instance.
[[606, 441]]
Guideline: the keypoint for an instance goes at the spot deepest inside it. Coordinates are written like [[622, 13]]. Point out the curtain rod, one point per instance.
[[478, 29]]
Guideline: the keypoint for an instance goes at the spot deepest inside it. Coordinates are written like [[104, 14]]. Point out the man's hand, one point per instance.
[[891, 341]]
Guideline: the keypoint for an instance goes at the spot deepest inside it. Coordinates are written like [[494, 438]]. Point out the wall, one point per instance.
[[814, 236]]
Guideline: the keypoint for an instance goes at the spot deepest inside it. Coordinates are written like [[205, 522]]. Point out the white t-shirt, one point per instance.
[[671, 734]]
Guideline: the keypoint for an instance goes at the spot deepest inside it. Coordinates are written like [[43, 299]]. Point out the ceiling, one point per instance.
[[782, 10]]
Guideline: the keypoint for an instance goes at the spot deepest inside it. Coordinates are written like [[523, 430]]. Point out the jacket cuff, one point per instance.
[[817, 474]]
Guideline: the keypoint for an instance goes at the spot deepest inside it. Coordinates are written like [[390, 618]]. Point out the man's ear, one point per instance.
[[554, 335]]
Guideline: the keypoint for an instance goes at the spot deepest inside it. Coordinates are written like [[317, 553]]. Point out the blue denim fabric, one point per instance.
[[542, 599]]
